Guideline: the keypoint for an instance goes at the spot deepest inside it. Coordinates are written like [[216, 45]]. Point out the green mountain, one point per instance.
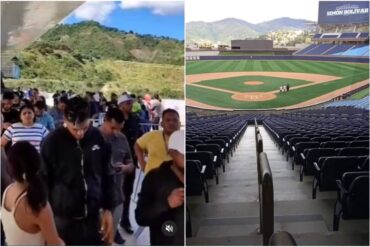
[[88, 56], [231, 28]]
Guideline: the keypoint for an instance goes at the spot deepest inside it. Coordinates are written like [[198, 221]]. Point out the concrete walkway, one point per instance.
[[232, 215]]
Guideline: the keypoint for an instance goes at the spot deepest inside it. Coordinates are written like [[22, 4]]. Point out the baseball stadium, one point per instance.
[[278, 139]]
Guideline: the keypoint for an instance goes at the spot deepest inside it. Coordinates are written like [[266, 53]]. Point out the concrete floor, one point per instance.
[[141, 234], [232, 215]]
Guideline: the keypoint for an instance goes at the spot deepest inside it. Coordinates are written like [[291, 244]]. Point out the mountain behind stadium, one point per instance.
[[88, 57], [231, 28]]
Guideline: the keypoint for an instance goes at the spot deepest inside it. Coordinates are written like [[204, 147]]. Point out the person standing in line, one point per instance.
[[131, 130], [287, 87], [43, 117], [10, 115], [26, 130], [161, 200], [5, 181], [144, 116], [156, 111], [147, 102], [57, 112], [120, 163], [16, 101], [136, 107], [26, 214], [154, 144], [113, 101], [76, 170], [35, 96]]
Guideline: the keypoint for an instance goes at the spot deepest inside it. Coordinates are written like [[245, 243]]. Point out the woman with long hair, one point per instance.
[[26, 214], [26, 130]]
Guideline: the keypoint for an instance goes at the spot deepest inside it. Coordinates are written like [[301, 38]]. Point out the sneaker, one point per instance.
[[128, 229], [118, 239]]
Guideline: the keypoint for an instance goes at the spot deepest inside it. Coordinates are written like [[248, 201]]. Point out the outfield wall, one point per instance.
[[307, 58]]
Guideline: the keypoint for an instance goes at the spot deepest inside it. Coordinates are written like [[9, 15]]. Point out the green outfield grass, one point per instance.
[[361, 94], [350, 73], [237, 83]]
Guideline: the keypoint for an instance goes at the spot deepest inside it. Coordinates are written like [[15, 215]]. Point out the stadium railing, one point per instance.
[[267, 198]]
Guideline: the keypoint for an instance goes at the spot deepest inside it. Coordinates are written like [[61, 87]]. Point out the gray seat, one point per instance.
[[352, 198], [332, 168]]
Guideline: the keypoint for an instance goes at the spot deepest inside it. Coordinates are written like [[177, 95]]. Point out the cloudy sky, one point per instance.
[[254, 11], [145, 17]]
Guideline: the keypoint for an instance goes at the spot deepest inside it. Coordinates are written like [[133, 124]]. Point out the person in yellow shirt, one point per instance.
[[154, 144]]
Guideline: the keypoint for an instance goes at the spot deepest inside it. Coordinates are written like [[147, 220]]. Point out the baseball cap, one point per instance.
[[177, 140], [124, 98]]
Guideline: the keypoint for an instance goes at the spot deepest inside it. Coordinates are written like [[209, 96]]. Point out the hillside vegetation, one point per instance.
[[88, 56], [223, 31]]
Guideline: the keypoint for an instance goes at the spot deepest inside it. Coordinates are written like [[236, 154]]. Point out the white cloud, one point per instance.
[[254, 11], [157, 7], [97, 11]]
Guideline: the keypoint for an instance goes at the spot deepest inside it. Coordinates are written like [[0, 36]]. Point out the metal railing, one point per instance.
[[267, 198], [282, 238], [265, 190]]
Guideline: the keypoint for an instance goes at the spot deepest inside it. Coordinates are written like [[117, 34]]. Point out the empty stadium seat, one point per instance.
[[311, 156], [358, 50], [343, 138], [202, 138], [359, 143], [194, 142], [333, 144], [190, 148], [319, 49], [291, 144], [285, 140], [304, 50], [366, 138], [348, 35], [196, 182], [321, 139], [352, 151], [332, 168], [222, 145], [206, 159], [216, 152], [298, 155], [353, 197], [364, 35]]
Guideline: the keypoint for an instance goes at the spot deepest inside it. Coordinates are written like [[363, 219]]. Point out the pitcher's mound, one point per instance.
[[254, 96], [254, 83]]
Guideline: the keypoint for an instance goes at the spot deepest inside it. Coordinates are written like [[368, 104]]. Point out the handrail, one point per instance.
[[259, 149], [266, 198], [282, 238]]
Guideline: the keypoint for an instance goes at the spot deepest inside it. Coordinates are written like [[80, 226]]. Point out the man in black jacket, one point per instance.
[[161, 200], [76, 160]]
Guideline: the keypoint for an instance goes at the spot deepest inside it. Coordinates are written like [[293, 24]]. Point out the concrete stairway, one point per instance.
[[232, 215]]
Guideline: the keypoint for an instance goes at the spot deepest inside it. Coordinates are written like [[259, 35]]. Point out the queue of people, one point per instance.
[[77, 180]]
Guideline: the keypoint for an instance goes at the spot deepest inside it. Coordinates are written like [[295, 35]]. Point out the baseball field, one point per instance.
[[254, 84]]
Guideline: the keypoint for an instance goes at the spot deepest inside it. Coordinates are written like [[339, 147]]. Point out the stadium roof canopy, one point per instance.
[[24, 22]]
